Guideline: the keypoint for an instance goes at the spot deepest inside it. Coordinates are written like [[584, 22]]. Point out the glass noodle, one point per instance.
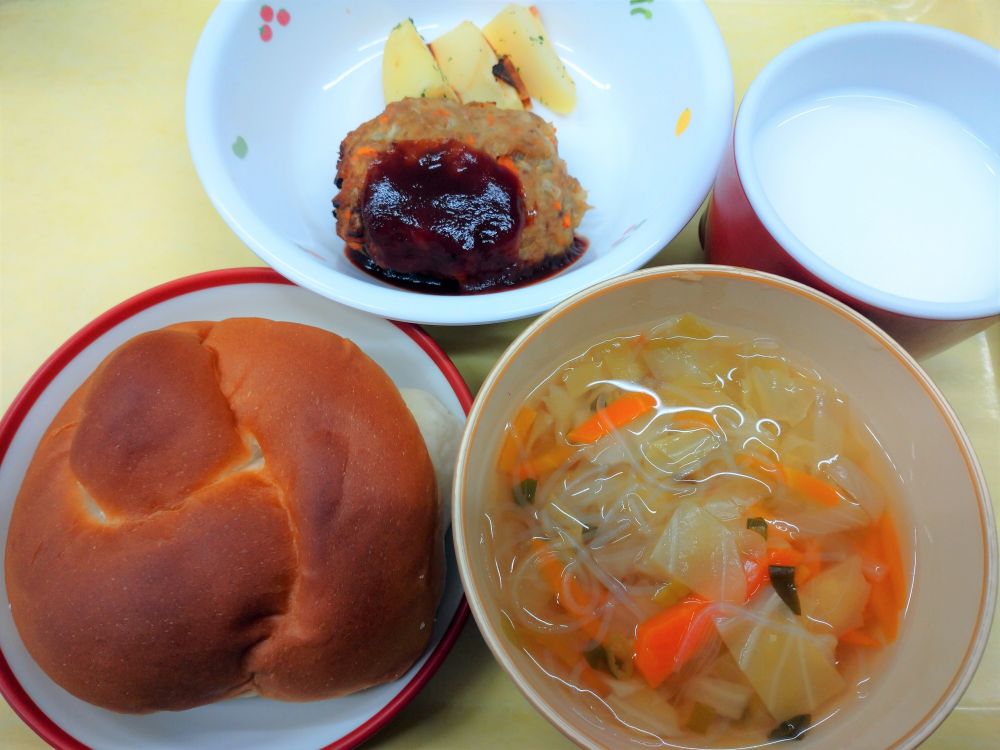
[[693, 532]]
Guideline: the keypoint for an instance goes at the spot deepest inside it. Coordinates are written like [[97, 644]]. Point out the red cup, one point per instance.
[[742, 228]]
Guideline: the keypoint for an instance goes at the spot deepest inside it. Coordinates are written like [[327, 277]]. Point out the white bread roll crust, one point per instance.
[[224, 508]]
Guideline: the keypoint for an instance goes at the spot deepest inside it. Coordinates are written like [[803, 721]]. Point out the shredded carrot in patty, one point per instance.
[[507, 163], [566, 221]]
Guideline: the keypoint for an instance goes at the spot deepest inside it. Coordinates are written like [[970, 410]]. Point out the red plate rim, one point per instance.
[[10, 688]]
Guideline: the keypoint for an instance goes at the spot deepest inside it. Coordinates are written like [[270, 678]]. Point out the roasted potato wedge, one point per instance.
[[517, 31], [467, 60], [409, 68]]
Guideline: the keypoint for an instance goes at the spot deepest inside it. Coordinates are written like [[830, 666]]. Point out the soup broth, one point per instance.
[[693, 531]]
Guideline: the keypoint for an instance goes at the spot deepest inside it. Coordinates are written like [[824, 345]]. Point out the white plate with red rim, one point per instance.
[[273, 90], [412, 360]]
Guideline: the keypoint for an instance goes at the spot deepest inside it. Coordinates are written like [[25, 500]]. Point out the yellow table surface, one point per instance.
[[99, 200]]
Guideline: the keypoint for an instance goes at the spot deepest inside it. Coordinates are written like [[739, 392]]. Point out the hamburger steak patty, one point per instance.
[[456, 198]]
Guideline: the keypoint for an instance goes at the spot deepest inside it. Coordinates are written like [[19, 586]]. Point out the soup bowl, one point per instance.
[[947, 531]]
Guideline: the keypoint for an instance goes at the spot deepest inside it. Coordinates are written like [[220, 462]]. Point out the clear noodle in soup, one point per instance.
[[696, 534]]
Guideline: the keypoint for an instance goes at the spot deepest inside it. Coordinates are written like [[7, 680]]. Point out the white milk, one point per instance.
[[895, 194]]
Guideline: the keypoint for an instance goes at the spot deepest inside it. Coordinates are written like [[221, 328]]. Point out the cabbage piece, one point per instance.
[[796, 450], [698, 550], [562, 407], [620, 361], [725, 668], [848, 475], [618, 447], [644, 709], [679, 365], [541, 429], [814, 519], [725, 510], [830, 420], [681, 452], [779, 392], [811, 520], [751, 544], [836, 597], [618, 557], [729, 699], [578, 377], [743, 491], [562, 521], [791, 669], [609, 451], [688, 326]]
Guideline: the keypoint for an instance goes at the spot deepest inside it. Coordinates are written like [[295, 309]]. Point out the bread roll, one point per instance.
[[224, 508]]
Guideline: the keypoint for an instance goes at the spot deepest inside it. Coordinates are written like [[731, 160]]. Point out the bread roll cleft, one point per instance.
[[223, 508]]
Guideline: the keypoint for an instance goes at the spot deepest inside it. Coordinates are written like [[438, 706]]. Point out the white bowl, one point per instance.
[[265, 120], [950, 545], [410, 358]]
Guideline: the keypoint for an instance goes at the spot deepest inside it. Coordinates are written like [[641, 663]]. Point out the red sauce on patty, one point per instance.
[[442, 210]]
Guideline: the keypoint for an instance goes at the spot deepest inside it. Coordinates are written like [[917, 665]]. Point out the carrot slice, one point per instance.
[[513, 441], [617, 414], [888, 592], [784, 556], [543, 463], [893, 559], [798, 481], [882, 608], [583, 605], [811, 561], [858, 637], [871, 552], [808, 485], [666, 642]]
